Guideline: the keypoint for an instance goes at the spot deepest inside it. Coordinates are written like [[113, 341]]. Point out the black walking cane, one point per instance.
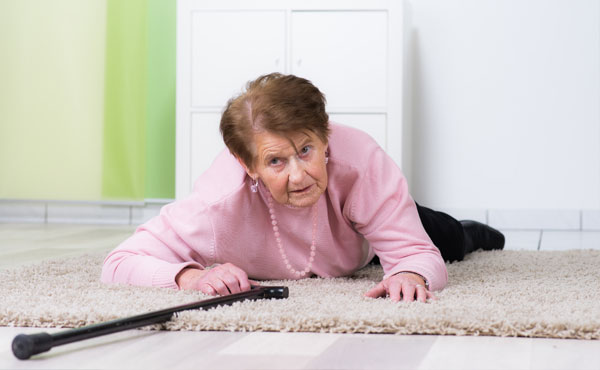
[[24, 346]]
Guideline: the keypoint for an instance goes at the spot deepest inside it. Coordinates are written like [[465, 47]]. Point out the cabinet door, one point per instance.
[[206, 143], [344, 53], [230, 48], [372, 124]]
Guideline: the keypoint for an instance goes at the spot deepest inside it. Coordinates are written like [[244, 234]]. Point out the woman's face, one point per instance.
[[293, 168]]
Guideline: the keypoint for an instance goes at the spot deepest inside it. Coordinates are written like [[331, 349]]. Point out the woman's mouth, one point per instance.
[[303, 190]]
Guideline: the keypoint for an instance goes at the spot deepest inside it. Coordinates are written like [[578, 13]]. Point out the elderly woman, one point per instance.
[[295, 196]]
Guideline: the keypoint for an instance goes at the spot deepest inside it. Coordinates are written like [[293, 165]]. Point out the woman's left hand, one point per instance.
[[407, 285]]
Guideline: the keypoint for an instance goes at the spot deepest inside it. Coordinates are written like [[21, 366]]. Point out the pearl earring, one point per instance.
[[254, 186], [326, 160]]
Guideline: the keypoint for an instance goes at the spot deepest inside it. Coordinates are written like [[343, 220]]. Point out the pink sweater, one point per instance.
[[222, 221]]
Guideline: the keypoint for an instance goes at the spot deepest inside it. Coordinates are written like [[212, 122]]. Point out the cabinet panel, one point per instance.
[[344, 53], [206, 143], [230, 48], [372, 124]]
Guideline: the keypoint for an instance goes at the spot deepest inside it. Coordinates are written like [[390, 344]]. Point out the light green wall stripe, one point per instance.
[[124, 150], [160, 107], [51, 98]]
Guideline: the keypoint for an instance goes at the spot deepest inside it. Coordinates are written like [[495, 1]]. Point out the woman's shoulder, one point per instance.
[[220, 187], [223, 178], [350, 145]]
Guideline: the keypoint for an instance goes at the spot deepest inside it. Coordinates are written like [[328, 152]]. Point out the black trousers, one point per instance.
[[446, 233]]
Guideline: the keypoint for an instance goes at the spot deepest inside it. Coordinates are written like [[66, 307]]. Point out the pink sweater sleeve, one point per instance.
[[385, 213], [162, 247]]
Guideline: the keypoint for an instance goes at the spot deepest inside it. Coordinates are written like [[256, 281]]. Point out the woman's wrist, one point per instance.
[[185, 276]]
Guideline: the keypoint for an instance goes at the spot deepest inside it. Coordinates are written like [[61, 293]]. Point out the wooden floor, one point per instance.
[[136, 349]]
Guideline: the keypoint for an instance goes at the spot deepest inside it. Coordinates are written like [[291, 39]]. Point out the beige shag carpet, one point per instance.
[[500, 293]]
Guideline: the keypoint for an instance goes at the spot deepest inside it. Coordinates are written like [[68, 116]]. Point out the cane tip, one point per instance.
[[24, 346]]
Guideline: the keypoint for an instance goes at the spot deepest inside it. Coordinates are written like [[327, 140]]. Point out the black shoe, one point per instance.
[[478, 235]]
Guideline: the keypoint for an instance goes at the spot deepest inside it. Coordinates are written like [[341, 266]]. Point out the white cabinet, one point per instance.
[[352, 50], [344, 54], [228, 48], [206, 142]]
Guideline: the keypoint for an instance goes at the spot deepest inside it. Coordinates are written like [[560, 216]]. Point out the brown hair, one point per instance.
[[276, 103]]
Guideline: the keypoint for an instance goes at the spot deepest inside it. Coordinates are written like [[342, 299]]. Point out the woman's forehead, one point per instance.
[[273, 142]]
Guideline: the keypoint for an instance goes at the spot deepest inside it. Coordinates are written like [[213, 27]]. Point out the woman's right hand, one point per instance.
[[222, 280]]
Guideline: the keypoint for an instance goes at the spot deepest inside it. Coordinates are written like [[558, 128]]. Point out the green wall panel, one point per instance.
[[124, 149], [160, 107]]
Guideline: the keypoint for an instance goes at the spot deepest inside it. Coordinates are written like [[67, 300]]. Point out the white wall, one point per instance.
[[506, 104]]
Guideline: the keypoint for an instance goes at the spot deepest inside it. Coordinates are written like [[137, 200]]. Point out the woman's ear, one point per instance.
[[250, 173]]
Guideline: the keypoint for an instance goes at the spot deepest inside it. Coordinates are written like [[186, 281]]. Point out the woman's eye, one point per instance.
[[305, 150], [275, 162]]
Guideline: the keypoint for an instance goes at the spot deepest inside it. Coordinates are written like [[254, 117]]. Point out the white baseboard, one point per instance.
[[135, 213], [80, 212], [531, 219], [590, 219], [25, 212]]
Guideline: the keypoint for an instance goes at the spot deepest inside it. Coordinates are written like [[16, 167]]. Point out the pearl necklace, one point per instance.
[[313, 247]]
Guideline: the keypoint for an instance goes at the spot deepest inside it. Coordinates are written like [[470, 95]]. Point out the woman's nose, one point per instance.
[[296, 171]]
